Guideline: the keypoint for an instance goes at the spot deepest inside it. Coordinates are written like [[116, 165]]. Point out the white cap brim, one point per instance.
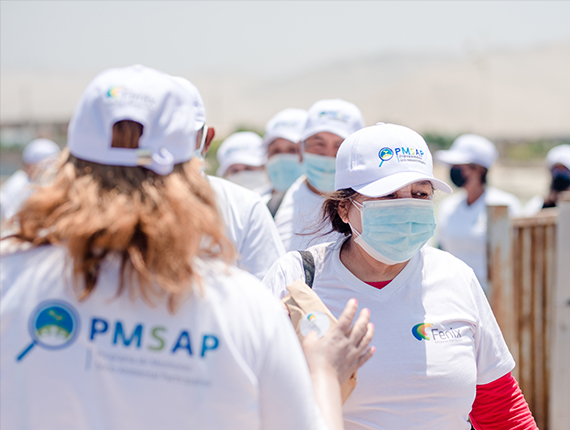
[[339, 131], [389, 184], [450, 158], [269, 138]]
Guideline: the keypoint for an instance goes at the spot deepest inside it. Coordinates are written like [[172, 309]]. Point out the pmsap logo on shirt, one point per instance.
[[54, 324]]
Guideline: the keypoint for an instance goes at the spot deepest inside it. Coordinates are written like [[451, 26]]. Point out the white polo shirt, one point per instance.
[[299, 216], [249, 226], [435, 336], [227, 359], [462, 229]]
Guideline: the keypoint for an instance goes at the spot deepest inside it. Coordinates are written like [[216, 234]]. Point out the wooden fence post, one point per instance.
[[500, 291], [560, 346]]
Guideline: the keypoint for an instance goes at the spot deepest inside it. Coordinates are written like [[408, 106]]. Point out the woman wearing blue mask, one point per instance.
[[441, 359], [281, 143], [329, 122]]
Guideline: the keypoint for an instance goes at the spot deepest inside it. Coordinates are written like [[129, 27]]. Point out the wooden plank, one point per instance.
[[549, 273], [544, 217], [500, 272], [538, 407], [560, 371], [517, 269], [525, 317]]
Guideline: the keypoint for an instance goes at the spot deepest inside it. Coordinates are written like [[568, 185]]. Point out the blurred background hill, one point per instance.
[[499, 69]]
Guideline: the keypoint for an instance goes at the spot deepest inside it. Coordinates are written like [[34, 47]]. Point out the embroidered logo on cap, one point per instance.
[[122, 95], [114, 92], [410, 154], [334, 115], [385, 154]]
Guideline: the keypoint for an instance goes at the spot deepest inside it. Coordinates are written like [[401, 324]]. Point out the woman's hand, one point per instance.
[[343, 349]]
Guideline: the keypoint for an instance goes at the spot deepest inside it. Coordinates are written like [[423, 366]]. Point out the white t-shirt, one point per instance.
[[249, 226], [462, 229], [15, 191], [299, 213], [227, 359], [411, 382]]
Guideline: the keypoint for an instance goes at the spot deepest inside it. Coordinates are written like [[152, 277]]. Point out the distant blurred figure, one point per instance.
[[242, 161], [281, 142], [462, 220], [558, 162], [37, 156], [329, 123]]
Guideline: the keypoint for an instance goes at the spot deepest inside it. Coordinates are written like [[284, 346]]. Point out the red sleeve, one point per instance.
[[500, 405]]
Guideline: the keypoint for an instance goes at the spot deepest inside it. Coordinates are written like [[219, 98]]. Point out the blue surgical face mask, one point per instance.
[[283, 170], [393, 231], [320, 171]]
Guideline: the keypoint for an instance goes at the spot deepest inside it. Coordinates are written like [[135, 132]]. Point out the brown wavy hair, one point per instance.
[[157, 224]]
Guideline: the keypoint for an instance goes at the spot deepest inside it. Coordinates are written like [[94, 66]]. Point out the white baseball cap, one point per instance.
[[287, 124], [167, 110], [335, 116], [559, 155], [467, 149], [376, 161], [244, 147], [39, 150]]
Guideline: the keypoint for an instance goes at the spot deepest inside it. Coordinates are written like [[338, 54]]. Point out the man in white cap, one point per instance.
[[462, 219], [242, 160], [329, 123], [37, 156], [558, 163], [281, 143]]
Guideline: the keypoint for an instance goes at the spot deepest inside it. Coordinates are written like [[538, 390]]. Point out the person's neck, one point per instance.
[[313, 189], [474, 191], [365, 267]]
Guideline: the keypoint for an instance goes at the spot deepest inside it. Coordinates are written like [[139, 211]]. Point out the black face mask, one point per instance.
[[457, 177], [560, 181]]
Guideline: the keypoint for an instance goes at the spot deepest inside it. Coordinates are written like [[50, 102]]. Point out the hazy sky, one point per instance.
[[267, 38]]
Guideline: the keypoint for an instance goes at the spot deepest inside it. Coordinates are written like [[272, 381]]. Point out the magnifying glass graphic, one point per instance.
[[385, 154], [54, 324]]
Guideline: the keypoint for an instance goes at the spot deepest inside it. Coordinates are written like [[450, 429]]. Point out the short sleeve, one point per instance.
[[494, 359], [284, 272]]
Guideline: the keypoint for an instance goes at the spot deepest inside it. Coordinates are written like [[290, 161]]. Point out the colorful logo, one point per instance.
[[54, 324], [114, 92], [333, 115], [385, 154], [419, 331], [315, 321]]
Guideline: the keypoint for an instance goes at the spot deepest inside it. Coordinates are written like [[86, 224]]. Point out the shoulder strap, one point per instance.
[[308, 267], [274, 203]]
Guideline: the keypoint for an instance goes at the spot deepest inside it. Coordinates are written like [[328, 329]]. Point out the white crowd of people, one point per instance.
[[139, 292]]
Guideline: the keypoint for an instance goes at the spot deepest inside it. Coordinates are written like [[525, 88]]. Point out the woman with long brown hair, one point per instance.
[[120, 308]]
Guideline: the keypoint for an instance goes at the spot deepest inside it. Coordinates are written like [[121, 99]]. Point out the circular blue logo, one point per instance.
[[385, 154], [54, 324]]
